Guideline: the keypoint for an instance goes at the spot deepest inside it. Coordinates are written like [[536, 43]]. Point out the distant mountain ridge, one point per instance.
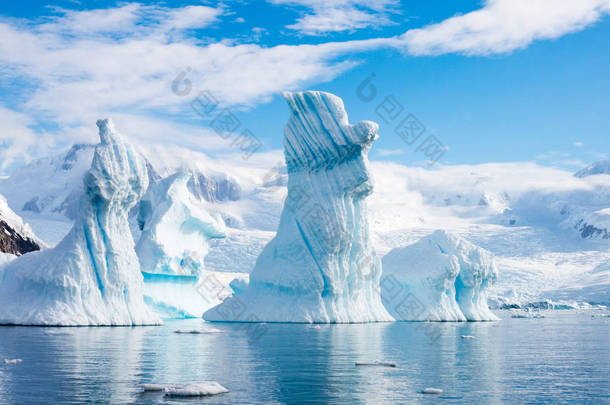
[[600, 167], [53, 185]]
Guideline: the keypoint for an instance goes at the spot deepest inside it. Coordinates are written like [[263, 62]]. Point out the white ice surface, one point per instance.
[[321, 266], [92, 277], [195, 389], [446, 277], [6, 257], [175, 229]]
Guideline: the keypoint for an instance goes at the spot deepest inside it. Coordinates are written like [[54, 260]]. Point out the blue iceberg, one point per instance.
[[441, 277], [93, 276], [176, 230], [321, 266]]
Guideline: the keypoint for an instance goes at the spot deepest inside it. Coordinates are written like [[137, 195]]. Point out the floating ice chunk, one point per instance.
[[467, 337], [433, 391], [443, 278], [12, 361], [93, 276], [197, 389], [154, 387], [321, 266], [376, 363]]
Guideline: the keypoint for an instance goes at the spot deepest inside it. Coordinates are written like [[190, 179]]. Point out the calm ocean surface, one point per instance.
[[564, 357]]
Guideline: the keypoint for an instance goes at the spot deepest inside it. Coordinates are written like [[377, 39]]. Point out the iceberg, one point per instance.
[[6, 257], [441, 277], [193, 389], [176, 231], [321, 266], [93, 276], [196, 389]]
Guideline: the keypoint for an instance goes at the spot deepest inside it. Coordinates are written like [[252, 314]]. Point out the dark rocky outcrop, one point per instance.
[[14, 243]]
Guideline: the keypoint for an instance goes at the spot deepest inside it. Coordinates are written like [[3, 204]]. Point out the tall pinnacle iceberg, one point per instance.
[[320, 267], [93, 276]]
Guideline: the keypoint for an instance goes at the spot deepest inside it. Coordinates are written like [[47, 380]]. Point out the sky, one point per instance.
[[485, 81]]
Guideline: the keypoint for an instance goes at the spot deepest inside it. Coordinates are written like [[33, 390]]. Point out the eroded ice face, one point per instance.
[[117, 174], [321, 266], [320, 145]]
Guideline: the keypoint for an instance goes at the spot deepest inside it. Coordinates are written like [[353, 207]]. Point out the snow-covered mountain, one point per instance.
[[50, 185], [16, 237], [600, 167]]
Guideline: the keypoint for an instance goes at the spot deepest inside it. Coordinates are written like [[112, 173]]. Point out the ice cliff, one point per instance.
[[93, 276], [176, 231], [439, 278], [320, 267]]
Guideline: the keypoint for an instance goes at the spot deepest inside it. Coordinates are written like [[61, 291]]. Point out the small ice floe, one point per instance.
[[467, 337], [12, 361], [154, 387], [432, 391], [199, 331], [314, 326], [197, 389], [193, 389], [376, 363]]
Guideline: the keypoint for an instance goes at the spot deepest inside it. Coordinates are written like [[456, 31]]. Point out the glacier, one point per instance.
[[176, 231], [441, 277], [321, 266], [92, 277]]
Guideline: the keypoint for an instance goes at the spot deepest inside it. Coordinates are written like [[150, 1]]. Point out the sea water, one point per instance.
[[563, 357]]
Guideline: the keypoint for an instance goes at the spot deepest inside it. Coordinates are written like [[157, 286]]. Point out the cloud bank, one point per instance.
[[75, 66]]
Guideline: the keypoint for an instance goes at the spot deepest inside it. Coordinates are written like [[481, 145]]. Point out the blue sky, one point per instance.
[[495, 81]]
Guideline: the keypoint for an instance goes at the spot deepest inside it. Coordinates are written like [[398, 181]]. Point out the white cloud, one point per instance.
[[111, 20], [340, 15], [82, 65], [76, 78], [191, 17], [502, 26], [18, 141], [131, 20], [579, 144]]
